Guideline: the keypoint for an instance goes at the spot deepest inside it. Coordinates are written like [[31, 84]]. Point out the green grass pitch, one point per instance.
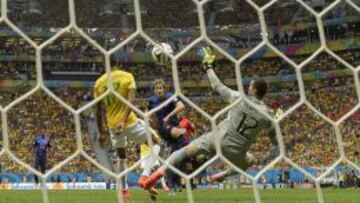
[[200, 196]]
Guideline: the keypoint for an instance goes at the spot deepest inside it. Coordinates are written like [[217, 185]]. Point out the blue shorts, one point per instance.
[[179, 143], [165, 133], [173, 143]]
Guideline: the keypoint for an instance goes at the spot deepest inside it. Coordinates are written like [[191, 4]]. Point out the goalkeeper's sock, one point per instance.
[[150, 162], [163, 184], [219, 177]]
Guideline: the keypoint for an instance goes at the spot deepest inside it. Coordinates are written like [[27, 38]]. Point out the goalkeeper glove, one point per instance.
[[207, 58], [278, 112]]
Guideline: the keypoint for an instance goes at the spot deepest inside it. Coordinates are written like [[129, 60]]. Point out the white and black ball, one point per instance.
[[158, 54]]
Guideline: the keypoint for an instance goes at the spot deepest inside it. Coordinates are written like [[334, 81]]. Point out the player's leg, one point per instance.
[[189, 166], [177, 182], [36, 179], [239, 159], [219, 177], [150, 164], [175, 179], [156, 165], [202, 144], [121, 152], [163, 184], [119, 143], [100, 153], [174, 136], [122, 166], [145, 162], [173, 159], [40, 164], [171, 177], [162, 180], [138, 134]]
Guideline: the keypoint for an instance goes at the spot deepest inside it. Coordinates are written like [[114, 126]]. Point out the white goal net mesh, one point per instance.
[[261, 41]]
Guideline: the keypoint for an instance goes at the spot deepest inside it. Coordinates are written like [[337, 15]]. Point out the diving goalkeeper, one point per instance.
[[238, 131]]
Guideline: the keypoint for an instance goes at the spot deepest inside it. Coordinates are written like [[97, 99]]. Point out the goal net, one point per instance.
[[308, 51]]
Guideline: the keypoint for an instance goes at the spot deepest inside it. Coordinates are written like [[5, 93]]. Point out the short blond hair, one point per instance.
[[158, 81]]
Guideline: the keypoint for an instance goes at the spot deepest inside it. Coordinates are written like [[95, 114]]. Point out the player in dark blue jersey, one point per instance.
[[41, 145], [167, 120], [168, 123]]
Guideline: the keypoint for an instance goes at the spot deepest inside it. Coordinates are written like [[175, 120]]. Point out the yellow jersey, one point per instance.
[[144, 150], [115, 109]]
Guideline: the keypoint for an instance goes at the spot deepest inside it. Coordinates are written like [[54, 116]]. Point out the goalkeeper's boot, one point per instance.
[[125, 194], [151, 190], [151, 181], [141, 181]]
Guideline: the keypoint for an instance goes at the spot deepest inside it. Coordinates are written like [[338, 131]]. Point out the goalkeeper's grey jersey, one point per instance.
[[243, 122]]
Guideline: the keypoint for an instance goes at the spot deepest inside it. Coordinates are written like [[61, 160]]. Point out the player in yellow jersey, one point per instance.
[[144, 156], [122, 122]]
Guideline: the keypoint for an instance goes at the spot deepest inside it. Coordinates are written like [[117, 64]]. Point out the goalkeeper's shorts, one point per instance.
[[235, 154]]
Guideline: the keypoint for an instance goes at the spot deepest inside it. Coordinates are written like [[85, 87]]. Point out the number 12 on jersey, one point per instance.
[[246, 123]]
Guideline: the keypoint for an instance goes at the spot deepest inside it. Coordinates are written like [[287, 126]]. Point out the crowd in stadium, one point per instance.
[[303, 132], [333, 97], [218, 17]]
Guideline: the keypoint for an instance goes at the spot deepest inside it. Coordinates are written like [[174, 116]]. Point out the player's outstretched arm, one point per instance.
[[208, 59]]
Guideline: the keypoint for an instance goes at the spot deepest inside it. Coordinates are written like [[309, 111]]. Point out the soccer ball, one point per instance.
[[158, 55]]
